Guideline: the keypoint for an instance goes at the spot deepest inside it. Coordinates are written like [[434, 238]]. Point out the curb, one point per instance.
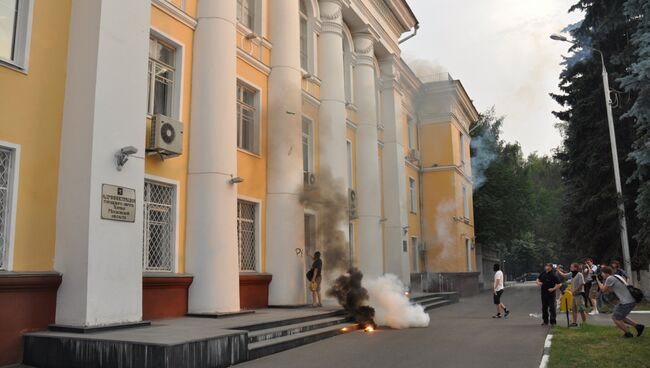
[[547, 351]]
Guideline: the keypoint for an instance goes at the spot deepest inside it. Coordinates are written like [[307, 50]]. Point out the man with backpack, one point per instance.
[[628, 296]]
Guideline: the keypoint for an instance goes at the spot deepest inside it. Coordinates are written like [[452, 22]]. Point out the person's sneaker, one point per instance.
[[498, 315], [573, 325], [593, 313], [506, 314], [628, 335], [639, 329]]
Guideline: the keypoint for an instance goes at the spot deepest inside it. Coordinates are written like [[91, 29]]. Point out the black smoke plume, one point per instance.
[[328, 198]]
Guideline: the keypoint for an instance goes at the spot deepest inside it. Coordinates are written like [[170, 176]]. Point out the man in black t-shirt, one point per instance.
[[549, 282]]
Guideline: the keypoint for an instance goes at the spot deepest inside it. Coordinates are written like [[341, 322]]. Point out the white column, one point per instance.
[[212, 200], [332, 133], [368, 189], [285, 214], [332, 114], [394, 177], [104, 110]]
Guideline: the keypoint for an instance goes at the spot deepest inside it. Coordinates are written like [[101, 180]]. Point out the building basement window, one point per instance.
[[246, 229], [160, 77], [159, 226]]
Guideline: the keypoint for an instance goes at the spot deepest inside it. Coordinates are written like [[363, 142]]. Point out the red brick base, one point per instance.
[[164, 296], [27, 303], [254, 291]]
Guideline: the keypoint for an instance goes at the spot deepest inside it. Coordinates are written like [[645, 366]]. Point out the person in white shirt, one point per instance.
[[498, 291]]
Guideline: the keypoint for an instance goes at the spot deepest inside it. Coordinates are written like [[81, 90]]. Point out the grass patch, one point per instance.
[[598, 346]]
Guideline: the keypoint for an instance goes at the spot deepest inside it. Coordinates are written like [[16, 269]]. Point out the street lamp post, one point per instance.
[[612, 139]]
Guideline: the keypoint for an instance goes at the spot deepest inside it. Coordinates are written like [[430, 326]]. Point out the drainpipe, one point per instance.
[[415, 31], [420, 190]]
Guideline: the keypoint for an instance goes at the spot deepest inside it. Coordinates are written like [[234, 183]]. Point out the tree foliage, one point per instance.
[[589, 212], [517, 207]]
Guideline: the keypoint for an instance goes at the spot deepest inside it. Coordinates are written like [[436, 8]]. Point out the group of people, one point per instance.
[[590, 285]]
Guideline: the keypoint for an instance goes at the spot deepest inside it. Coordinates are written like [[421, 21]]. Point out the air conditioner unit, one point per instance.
[[309, 179], [422, 247], [413, 155], [165, 136], [352, 204]]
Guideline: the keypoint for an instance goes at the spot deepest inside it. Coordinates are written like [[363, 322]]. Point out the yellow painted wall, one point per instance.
[[31, 111], [436, 145], [176, 168]]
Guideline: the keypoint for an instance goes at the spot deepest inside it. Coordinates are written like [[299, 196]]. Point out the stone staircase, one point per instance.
[[274, 337]]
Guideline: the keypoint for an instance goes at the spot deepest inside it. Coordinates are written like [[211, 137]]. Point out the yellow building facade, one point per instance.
[[160, 157]]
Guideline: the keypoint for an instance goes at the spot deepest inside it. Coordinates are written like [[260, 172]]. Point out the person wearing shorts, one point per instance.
[[314, 284], [498, 291], [578, 291], [617, 285]]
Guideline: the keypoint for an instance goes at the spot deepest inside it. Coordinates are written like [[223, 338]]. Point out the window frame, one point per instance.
[[415, 257], [465, 203], [178, 78], [22, 38], [308, 18], [258, 234], [255, 6], [310, 143], [411, 129], [175, 184], [7, 253], [349, 155], [463, 157], [413, 195], [257, 129]]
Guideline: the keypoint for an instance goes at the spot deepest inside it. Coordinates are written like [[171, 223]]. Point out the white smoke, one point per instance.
[[392, 307], [484, 154]]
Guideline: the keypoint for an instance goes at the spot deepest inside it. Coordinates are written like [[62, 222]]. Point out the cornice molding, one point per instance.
[[248, 58], [175, 12]]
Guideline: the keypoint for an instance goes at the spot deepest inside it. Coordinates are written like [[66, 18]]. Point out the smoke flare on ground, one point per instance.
[[353, 297], [392, 307]]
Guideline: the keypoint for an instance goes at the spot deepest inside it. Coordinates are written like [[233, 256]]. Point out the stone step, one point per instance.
[[276, 345], [436, 304], [294, 329], [291, 321]]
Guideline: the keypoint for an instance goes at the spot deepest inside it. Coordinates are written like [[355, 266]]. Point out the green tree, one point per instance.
[[590, 215]]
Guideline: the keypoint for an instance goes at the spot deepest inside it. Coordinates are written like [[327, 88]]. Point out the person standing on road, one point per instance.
[[498, 291], [591, 290], [578, 292], [549, 282], [617, 285]]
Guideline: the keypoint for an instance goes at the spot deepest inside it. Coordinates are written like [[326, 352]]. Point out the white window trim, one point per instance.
[[413, 200], [258, 114], [311, 164], [349, 157], [312, 16], [258, 234], [257, 19], [179, 75], [23, 39], [177, 187], [465, 194], [463, 157], [13, 201]]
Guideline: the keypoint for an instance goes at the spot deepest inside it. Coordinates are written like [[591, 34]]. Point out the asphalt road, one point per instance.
[[459, 335]]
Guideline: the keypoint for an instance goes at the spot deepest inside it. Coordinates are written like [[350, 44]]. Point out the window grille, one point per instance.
[[161, 77], [246, 236], [159, 217], [246, 119], [5, 190]]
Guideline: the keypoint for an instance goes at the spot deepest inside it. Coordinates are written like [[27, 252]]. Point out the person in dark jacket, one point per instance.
[[549, 283], [316, 278]]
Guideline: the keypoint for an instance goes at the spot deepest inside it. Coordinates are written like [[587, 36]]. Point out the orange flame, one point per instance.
[[369, 329]]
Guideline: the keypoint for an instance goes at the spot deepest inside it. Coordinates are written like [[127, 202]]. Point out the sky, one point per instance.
[[501, 52]]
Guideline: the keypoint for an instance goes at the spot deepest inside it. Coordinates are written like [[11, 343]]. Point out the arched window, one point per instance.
[[304, 36], [348, 64]]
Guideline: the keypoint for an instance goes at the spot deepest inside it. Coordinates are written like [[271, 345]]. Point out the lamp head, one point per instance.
[[559, 37]]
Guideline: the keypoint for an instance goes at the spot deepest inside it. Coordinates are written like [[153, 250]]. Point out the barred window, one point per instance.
[[247, 126], [6, 168], [246, 236], [161, 77], [159, 219]]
